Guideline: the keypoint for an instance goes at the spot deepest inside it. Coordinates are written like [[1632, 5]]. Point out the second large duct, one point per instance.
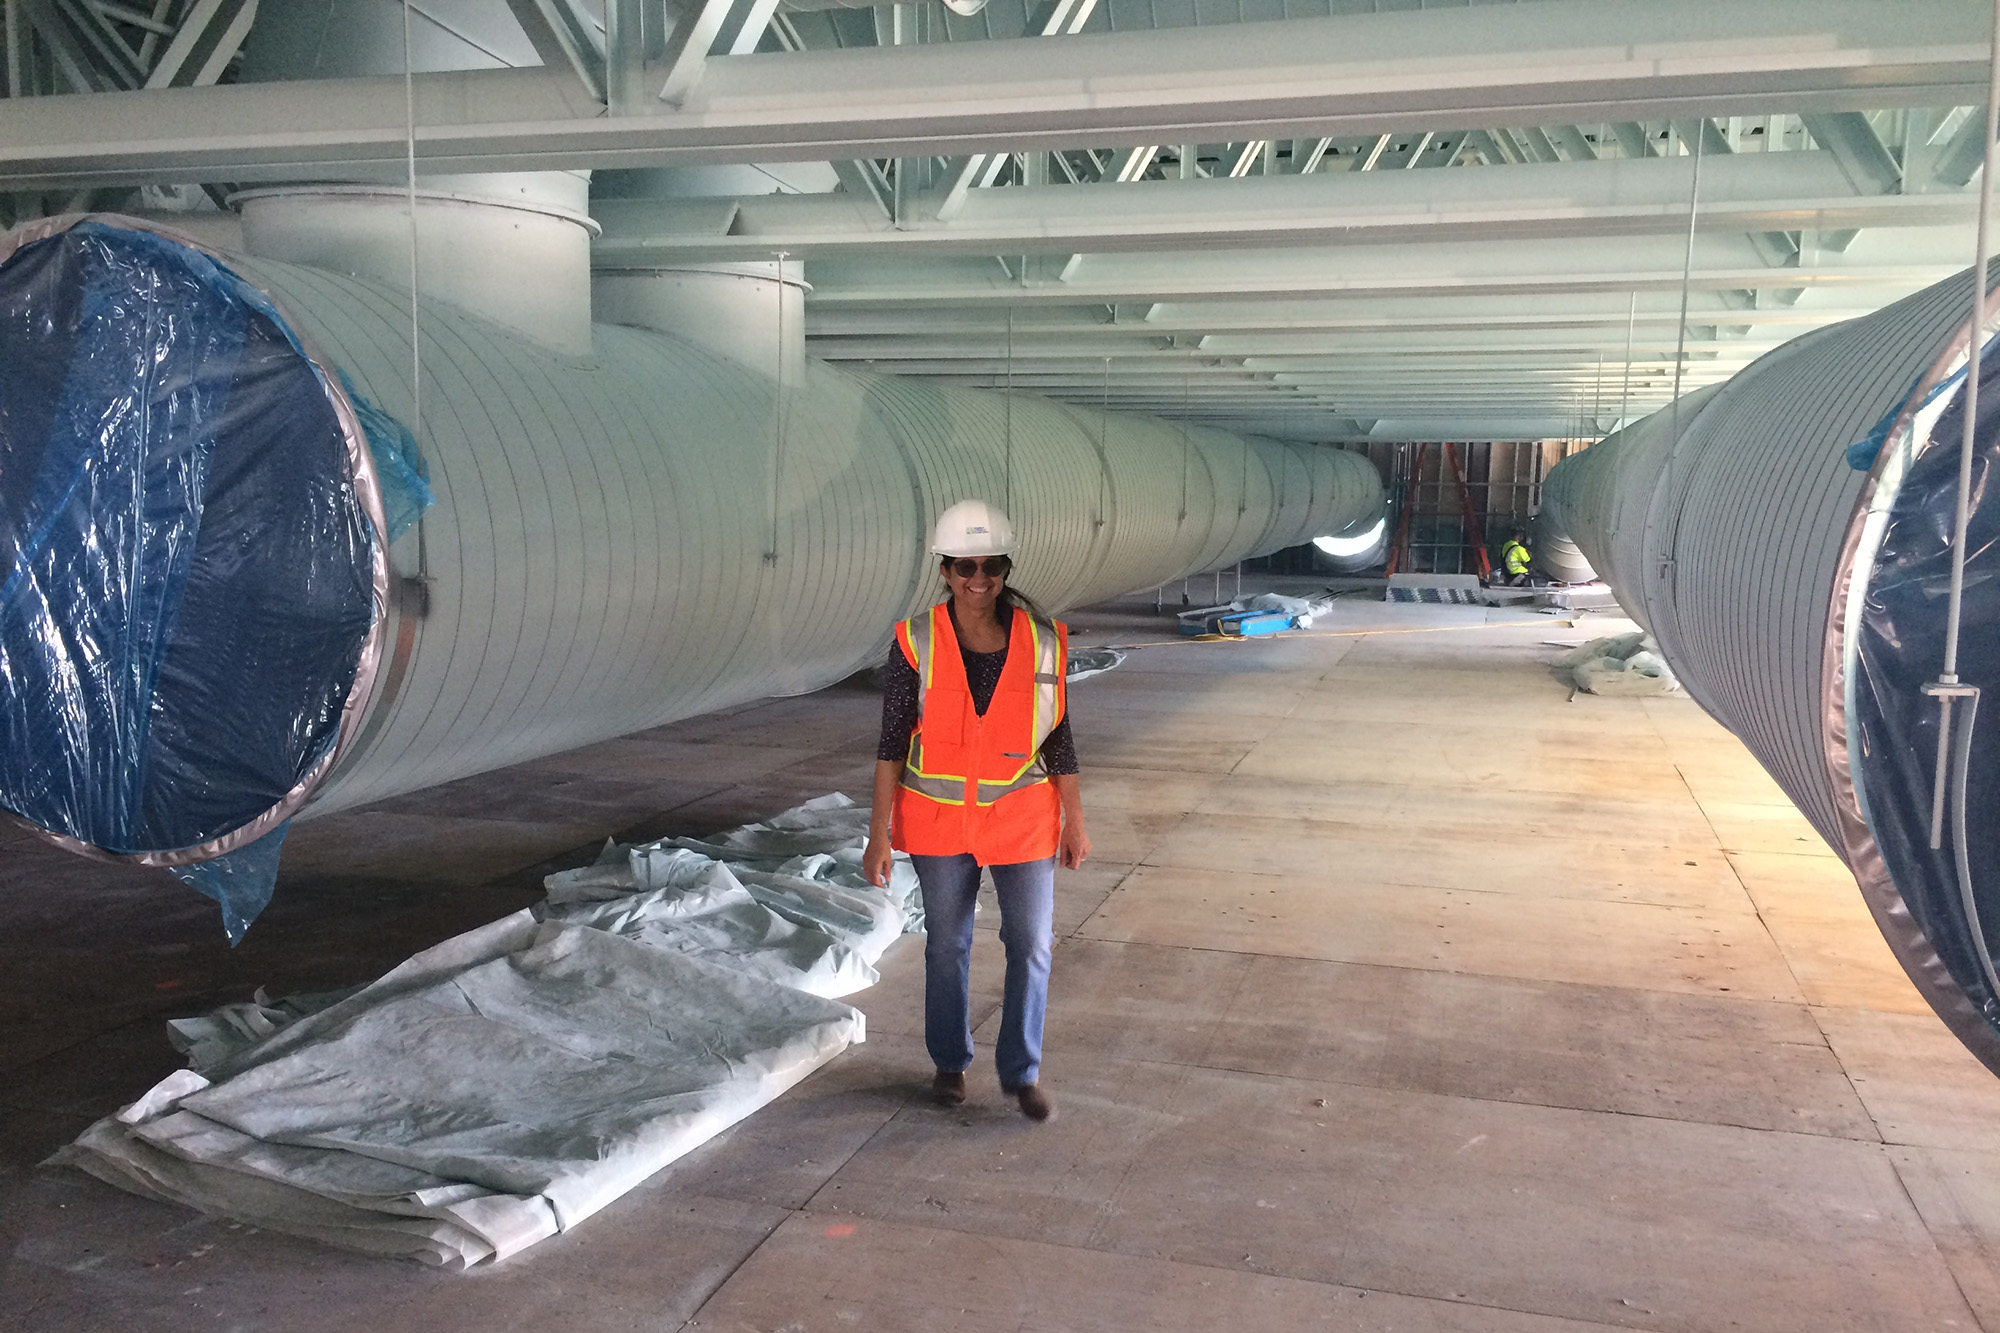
[[1786, 536]]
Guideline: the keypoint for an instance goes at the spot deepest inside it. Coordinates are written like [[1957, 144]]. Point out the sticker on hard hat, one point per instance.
[[970, 531]]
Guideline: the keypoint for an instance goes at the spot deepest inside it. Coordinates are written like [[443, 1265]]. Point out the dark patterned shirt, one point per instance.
[[982, 674]]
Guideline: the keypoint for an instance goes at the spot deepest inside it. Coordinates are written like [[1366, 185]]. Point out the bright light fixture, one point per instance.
[[1342, 548]]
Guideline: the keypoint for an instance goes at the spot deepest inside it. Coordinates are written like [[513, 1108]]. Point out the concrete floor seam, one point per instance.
[[1895, 1169], [1729, 997]]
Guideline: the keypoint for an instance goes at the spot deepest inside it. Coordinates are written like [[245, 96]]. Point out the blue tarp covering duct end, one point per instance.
[[1898, 646], [191, 575]]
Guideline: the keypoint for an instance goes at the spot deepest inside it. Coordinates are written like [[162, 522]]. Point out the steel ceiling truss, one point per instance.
[[1295, 218], [1545, 62], [96, 46]]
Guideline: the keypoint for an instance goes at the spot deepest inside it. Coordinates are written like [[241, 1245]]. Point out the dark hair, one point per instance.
[[1021, 601], [1015, 599]]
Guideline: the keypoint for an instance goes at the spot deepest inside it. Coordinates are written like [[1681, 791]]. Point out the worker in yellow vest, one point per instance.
[[1514, 560], [976, 769]]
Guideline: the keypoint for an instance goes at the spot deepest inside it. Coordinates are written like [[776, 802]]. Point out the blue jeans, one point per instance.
[[1027, 892]]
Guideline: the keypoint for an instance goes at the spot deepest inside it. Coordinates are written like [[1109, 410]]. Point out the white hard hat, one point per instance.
[[972, 527]]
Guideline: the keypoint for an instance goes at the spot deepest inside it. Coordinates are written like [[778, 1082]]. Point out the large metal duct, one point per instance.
[[1556, 551], [1786, 537], [651, 530]]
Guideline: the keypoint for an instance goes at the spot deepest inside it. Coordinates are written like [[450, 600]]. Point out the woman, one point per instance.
[[976, 768]]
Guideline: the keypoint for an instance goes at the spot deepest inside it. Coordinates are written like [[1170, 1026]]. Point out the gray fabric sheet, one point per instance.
[[509, 1082], [804, 864]]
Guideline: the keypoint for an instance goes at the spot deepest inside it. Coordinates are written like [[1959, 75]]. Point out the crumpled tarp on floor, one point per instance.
[[1084, 663], [509, 1082], [1629, 665]]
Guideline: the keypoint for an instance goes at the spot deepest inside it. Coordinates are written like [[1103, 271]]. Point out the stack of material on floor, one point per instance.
[[507, 1083], [1265, 613], [1203, 619], [1624, 664], [1579, 597], [1460, 589], [1302, 610]]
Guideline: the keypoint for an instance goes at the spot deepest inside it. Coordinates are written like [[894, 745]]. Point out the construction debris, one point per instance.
[[1250, 617]]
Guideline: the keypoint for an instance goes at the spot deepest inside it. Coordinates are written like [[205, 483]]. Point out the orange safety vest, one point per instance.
[[976, 784]]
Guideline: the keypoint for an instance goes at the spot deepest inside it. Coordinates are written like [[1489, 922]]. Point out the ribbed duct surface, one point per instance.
[[1734, 527], [651, 531], [604, 552]]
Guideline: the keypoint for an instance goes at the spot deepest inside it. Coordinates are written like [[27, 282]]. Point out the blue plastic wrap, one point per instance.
[[405, 481], [187, 564], [1861, 455], [1900, 647], [240, 881]]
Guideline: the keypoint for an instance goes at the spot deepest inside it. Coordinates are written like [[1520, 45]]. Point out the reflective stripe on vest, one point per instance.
[[920, 647], [1048, 681], [919, 638]]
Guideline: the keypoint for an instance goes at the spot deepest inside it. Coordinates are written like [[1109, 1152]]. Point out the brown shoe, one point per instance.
[[948, 1088], [1035, 1103]]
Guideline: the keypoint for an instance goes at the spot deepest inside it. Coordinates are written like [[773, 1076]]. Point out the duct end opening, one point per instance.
[[1894, 631], [191, 570], [1358, 546]]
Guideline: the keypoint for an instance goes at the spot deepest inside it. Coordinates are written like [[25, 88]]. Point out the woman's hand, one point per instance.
[[877, 855], [1075, 845], [876, 860]]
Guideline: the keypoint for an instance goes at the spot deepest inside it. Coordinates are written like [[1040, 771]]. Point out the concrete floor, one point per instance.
[[1400, 994]]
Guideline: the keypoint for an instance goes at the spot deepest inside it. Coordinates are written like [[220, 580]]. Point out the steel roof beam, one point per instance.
[[1779, 193], [1549, 63], [1092, 371], [564, 39], [1899, 259], [1587, 311], [1040, 356], [1415, 370]]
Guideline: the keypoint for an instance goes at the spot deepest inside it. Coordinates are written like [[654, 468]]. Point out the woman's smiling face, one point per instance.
[[977, 590]]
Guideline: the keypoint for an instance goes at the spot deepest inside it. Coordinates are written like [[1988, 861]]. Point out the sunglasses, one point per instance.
[[994, 568]]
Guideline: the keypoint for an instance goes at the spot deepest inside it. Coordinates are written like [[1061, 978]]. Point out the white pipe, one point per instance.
[[752, 313], [602, 556], [598, 549], [1982, 254]]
